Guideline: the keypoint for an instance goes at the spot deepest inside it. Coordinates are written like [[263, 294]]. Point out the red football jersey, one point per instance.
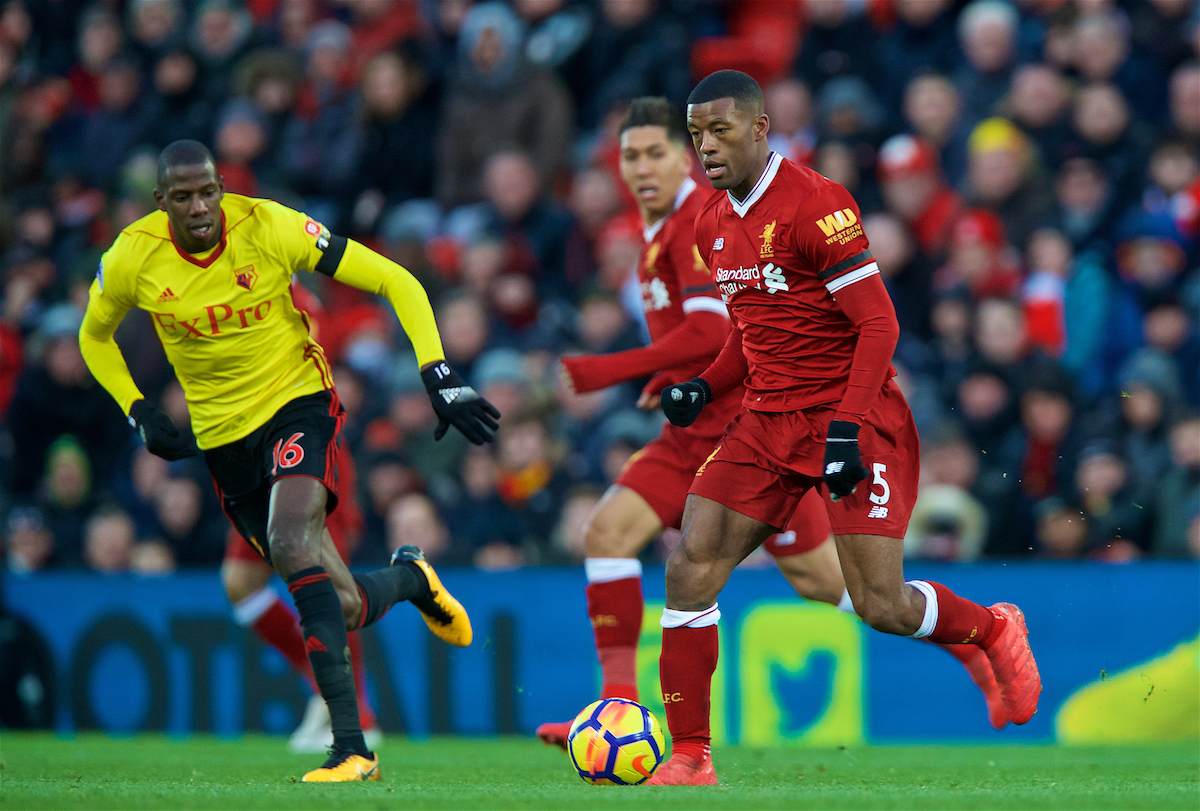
[[674, 279], [779, 257]]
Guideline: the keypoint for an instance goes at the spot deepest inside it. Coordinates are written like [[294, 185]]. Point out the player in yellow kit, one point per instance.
[[213, 271]]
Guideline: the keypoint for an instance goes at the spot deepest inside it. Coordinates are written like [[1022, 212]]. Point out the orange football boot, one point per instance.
[[1013, 665], [684, 770], [554, 733], [345, 767]]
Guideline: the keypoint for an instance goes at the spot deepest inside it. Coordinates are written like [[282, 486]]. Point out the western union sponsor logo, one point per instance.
[[837, 221]]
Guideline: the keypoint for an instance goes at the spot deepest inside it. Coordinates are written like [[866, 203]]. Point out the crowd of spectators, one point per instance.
[[1027, 172]]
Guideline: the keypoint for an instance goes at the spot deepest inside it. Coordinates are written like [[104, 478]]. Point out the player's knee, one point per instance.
[[291, 554], [352, 606], [691, 582], [603, 538], [880, 613]]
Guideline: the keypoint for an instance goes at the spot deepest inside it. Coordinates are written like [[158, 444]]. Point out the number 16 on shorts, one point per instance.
[[287, 454]]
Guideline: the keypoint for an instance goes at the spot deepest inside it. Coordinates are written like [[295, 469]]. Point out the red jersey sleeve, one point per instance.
[[830, 237], [696, 289], [699, 336], [729, 369]]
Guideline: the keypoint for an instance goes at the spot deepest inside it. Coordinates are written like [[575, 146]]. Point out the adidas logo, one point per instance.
[[450, 395], [314, 645], [834, 467], [167, 295]]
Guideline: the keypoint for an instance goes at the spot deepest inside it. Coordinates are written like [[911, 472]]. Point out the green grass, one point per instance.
[[91, 771]]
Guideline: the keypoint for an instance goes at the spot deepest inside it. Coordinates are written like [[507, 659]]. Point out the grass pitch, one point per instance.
[[39, 771]]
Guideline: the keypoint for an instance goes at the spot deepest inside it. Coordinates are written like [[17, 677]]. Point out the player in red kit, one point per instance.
[[688, 324], [813, 332]]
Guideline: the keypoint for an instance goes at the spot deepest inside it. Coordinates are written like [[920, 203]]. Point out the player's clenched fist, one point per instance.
[[458, 404], [158, 433], [843, 465], [683, 401]]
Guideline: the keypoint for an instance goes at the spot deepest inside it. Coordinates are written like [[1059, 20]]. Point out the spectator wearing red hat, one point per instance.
[[980, 260], [914, 190]]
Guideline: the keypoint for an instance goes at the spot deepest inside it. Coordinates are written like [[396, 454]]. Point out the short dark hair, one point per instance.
[[656, 111], [730, 84], [185, 152]]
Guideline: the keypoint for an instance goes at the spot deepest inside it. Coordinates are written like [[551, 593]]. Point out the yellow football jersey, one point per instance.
[[226, 318]]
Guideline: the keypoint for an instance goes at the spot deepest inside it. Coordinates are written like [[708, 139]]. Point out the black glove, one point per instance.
[[158, 433], [843, 465], [683, 401], [459, 405]]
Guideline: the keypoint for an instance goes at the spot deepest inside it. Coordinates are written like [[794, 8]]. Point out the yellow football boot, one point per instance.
[[444, 615], [345, 767]]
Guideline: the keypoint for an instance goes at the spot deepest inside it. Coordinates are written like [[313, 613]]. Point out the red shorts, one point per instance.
[[768, 461], [662, 472]]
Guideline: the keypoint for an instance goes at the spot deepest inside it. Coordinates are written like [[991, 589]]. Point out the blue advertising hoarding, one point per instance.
[[1116, 647]]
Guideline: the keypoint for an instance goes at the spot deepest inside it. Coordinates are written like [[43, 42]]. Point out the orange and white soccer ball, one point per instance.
[[615, 742]]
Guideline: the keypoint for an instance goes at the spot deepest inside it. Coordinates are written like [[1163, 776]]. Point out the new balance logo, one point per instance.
[[878, 512], [604, 621], [167, 295], [834, 467], [773, 279], [314, 645], [719, 244]]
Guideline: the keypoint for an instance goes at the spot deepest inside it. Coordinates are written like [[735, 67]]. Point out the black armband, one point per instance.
[[332, 255]]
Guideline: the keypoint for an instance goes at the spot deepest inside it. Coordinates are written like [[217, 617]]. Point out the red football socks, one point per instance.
[[366, 715], [686, 667], [962, 622], [615, 608]]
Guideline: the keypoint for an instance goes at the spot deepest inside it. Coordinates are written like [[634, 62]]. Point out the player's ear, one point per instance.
[[160, 200], [221, 184], [762, 125]]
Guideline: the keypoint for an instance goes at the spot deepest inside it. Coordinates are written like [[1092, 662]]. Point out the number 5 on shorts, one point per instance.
[[880, 469], [287, 454]]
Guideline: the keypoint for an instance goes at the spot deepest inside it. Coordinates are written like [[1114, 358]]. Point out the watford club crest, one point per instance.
[[246, 277]]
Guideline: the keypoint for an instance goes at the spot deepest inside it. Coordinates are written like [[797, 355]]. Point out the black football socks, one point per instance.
[[383, 588], [324, 627]]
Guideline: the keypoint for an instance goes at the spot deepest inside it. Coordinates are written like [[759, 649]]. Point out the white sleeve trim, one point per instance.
[[853, 276], [705, 303]]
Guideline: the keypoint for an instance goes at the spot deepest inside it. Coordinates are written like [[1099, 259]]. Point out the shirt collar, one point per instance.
[[760, 188]]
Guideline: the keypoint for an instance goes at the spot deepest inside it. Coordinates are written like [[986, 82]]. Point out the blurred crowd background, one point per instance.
[[1027, 171]]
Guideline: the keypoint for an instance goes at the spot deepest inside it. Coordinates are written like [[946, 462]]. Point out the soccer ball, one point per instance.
[[615, 742]]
